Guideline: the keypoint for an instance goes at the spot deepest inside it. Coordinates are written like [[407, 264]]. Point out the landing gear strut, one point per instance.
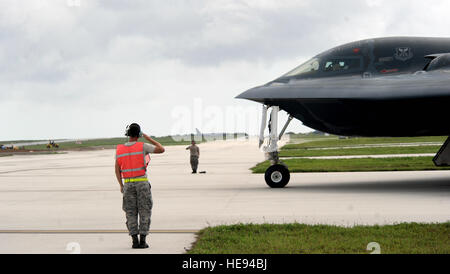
[[277, 175]]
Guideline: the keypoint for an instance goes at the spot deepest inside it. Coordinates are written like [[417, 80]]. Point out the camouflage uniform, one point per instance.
[[195, 154], [194, 162], [137, 200]]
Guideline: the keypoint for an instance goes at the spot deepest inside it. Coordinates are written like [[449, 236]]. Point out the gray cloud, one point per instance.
[[107, 62]]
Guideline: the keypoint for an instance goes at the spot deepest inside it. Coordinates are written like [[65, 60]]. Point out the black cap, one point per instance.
[[133, 130]]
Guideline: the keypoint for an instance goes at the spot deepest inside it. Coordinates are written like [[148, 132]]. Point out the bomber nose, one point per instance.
[[266, 92], [243, 95], [250, 94]]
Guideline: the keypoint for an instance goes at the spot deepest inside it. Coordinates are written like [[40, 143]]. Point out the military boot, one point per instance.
[[142, 243], [135, 241]]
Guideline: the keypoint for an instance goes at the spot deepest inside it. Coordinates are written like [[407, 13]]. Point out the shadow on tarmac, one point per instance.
[[435, 186], [426, 186]]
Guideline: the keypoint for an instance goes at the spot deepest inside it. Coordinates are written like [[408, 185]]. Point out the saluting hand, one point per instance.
[[158, 147]]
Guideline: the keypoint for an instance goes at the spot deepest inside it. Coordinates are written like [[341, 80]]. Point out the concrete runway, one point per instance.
[[76, 196]]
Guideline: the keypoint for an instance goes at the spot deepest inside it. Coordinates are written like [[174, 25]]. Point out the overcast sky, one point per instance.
[[87, 68]]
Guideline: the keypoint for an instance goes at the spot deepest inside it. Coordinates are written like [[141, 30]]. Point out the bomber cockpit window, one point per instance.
[[341, 64], [310, 66], [442, 61]]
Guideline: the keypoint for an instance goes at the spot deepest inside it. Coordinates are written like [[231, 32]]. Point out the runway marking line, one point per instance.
[[89, 231]]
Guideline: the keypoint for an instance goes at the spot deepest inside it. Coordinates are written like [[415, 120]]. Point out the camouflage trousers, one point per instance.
[[137, 202], [194, 162]]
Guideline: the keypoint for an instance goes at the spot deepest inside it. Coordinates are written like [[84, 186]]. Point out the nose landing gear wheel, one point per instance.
[[277, 176]]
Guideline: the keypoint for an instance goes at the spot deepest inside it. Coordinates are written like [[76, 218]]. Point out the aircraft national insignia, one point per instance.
[[403, 53]]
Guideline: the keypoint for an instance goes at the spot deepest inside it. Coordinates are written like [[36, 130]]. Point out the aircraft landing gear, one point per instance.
[[277, 175]]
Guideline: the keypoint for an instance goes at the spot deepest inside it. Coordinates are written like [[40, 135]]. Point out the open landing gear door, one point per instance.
[[442, 158]]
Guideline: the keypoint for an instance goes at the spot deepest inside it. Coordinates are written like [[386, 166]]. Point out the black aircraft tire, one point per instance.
[[277, 176]]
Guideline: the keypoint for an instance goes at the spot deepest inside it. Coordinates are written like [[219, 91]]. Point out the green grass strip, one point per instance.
[[405, 238], [362, 164], [364, 141], [108, 143], [358, 151]]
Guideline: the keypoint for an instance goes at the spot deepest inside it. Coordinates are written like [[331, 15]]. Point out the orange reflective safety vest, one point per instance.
[[132, 160]]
